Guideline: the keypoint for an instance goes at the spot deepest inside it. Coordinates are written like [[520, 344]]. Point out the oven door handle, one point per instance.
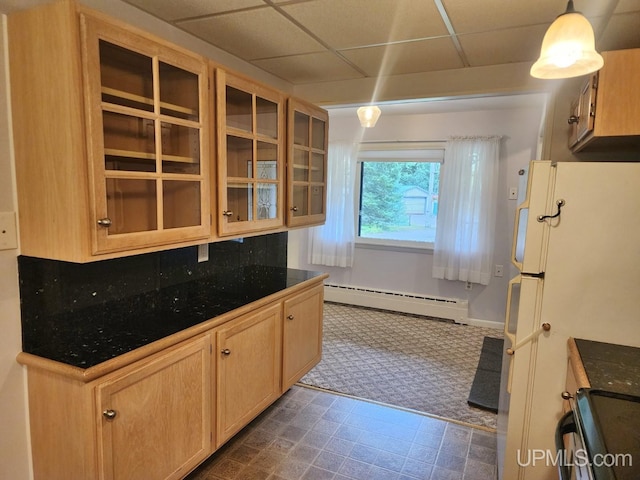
[[566, 424]]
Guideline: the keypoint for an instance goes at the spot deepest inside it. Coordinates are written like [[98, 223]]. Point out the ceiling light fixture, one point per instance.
[[568, 48], [368, 116]]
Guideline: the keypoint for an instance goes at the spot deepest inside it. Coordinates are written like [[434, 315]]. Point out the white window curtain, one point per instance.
[[332, 244], [467, 210]]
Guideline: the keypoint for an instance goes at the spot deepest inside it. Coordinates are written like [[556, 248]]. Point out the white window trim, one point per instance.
[[398, 151]]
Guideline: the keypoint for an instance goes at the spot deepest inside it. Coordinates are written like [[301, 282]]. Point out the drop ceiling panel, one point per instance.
[[406, 57], [171, 10], [253, 34], [489, 15], [358, 23], [331, 40], [505, 46], [622, 31], [309, 68]]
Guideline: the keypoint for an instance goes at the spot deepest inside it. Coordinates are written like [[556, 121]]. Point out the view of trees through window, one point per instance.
[[399, 200]]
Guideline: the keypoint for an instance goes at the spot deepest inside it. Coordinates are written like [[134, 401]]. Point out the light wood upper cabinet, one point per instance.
[[248, 369], [604, 116], [155, 421], [110, 144], [250, 149], [147, 142], [307, 137], [301, 335]]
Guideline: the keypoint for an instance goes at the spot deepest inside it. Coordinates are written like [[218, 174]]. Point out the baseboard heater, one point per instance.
[[450, 308]]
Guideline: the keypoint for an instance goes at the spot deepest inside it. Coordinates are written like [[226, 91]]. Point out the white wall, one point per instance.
[[411, 272], [14, 446]]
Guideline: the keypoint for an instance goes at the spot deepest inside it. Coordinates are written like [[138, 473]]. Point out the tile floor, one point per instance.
[[310, 434]]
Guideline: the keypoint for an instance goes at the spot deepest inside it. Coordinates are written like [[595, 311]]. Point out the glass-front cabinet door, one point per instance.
[[147, 114], [307, 164], [250, 135]]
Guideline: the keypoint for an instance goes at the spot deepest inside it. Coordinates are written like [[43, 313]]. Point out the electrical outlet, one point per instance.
[[499, 270], [8, 233], [468, 286], [203, 252], [513, 193]]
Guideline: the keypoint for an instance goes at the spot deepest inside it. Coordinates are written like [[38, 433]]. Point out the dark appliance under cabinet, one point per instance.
[[599, 439]]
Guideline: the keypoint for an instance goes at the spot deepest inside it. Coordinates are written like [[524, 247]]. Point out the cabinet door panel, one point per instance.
[[307, 165], [146, 130], [154, 422], [250, 135], [248, 378], [302, 335]]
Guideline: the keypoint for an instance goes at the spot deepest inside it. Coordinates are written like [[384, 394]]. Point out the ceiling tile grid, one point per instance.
[[313, 41]]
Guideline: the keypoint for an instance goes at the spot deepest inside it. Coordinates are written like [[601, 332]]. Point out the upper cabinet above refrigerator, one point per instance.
[[604, 116]]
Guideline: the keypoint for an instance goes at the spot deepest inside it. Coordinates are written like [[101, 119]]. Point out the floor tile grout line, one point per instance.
[[399, 408]]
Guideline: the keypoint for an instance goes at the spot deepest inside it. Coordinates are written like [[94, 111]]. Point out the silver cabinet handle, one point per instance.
[[227, 213], [104, 222], [109, 414], [226, 351], [294, 209], [290, 317]]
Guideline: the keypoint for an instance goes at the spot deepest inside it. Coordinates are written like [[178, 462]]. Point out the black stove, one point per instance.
[[606, 426]]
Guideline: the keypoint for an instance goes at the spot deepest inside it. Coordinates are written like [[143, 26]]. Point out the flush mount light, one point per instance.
[[568, 48], [368, 116]]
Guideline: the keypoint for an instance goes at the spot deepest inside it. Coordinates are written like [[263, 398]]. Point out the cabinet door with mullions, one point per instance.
[[146, 114], [307, 164], [250, 129]]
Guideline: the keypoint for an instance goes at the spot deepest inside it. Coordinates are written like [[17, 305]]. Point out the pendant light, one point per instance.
[[568, 48], [368, 116]]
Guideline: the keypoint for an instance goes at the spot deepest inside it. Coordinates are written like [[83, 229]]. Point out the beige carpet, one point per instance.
[[408, 361]]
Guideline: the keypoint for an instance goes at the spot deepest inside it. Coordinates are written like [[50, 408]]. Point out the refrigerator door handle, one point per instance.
[[516, 228], [517, 280]]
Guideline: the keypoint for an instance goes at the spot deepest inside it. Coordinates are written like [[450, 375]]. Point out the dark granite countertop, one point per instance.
[[86, 337], [615, 368]]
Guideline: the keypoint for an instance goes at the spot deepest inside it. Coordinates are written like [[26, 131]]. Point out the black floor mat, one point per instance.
[[485, 389]]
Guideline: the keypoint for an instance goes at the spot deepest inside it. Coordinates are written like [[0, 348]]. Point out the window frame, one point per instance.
[[400, 151]]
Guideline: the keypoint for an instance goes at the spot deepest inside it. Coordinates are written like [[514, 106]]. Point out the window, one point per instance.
[[398, 193]]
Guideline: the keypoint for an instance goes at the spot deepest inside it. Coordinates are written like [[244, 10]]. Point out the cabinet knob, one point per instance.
[[104, 222], [290, 317], [566, 395], [109, 414], [226, 352], [227, 213], [573, 119], [294, 209]]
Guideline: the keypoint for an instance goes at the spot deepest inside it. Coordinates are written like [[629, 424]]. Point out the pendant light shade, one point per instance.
[[568, 48], [368, 116]]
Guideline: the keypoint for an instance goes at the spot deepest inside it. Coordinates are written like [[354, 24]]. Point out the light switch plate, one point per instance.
[[8, 233]]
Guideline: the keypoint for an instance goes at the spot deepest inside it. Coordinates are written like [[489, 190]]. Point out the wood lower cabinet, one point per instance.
[[301, 335], [248, 369], [151, 419], [155, 422], [159, 415]]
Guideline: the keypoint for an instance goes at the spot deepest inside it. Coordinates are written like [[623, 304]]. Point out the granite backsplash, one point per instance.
[[53, 291]]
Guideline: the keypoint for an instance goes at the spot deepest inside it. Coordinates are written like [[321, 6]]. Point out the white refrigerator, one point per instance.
[[577, 248]]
